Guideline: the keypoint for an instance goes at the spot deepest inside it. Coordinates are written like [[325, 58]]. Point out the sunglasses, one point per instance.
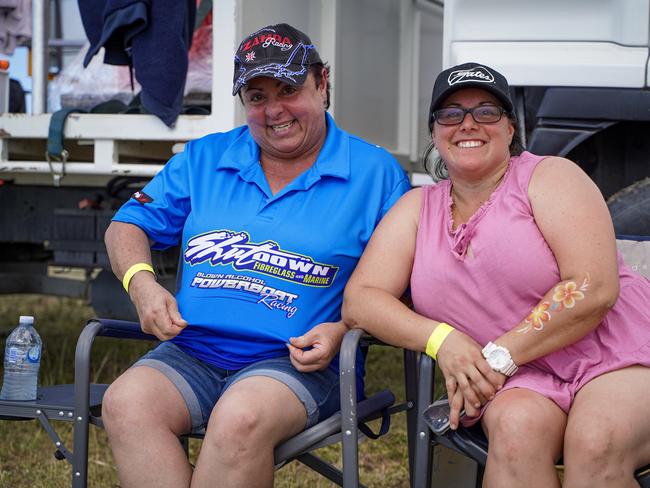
[[483, 114]]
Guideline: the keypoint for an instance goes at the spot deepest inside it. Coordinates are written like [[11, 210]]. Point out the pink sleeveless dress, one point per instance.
[[487, 275]]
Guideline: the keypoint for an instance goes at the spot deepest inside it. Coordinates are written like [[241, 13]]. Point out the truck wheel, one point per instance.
[[630, 209]]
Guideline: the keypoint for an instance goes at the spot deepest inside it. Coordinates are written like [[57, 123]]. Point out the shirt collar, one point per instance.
[[334, 157], [243, 155]]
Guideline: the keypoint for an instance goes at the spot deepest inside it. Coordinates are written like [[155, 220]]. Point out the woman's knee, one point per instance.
[[609, 439], [254, 414], [142, 399], [511, 430], [520, 428], [597, 448], [117, 405], [235, 431], [239, 422], [594, 460]]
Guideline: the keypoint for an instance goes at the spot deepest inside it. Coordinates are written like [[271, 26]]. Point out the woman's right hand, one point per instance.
[[467, 373], [156, 307]]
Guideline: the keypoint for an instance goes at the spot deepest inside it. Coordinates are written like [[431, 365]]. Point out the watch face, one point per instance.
[[498, 359]]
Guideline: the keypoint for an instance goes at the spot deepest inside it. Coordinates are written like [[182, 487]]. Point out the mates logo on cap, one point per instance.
[[480, 74]]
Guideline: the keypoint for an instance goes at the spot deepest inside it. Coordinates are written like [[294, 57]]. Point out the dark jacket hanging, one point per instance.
[[151, 36]]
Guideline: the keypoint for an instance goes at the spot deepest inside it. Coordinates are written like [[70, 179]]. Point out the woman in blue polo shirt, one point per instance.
[[272, 218]]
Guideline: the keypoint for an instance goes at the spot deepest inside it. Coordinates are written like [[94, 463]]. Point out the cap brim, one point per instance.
[[291, 78], [507, 104]]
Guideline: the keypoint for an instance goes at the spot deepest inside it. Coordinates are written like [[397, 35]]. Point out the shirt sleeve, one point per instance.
[[402, 186], [161, 208]]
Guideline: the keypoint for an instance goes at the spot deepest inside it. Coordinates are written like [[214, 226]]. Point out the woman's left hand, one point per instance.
[[465, 369], [314, 350]]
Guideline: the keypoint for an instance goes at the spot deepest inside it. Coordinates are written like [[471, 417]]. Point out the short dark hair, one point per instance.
[[317, 70], [438, 169]]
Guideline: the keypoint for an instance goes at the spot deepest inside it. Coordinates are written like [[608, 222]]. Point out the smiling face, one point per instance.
[[287, 122], [470, 149]]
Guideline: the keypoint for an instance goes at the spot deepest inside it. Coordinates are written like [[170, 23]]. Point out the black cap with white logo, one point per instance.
[[469, 75], [277, 51]]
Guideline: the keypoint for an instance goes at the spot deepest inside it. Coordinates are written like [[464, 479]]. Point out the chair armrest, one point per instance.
[[319, 434], [348, 393], [94, 328], [348, 353], [118, 328], [423, 447]]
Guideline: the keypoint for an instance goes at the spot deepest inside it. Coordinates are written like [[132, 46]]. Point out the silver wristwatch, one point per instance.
[[499, 359]]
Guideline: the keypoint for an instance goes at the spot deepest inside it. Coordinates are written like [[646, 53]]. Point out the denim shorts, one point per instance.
[[202, 384]]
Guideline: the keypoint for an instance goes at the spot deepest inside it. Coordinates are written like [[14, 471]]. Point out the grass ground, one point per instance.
[[26, 456]]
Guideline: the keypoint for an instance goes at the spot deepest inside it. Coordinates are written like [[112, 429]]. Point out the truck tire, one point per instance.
[[630, 209]]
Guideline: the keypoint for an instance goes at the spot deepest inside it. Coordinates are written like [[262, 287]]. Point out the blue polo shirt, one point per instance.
[[259, 268]]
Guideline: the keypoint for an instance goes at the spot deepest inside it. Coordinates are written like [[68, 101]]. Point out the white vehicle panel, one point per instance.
[[622, 22], [558, 64]]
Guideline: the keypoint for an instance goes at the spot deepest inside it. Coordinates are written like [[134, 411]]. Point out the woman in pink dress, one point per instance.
[[539, 328]]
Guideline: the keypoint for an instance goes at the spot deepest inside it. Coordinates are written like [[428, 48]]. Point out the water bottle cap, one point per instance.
[[26, 319]]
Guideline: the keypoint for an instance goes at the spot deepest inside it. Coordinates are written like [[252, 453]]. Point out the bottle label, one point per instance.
[[34, 354], [15, 355]]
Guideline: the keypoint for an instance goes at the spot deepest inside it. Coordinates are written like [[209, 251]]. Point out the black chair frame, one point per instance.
[[81, 404], [470, 442]]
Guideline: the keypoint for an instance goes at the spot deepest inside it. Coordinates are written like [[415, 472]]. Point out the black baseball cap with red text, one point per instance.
[[277, 51]]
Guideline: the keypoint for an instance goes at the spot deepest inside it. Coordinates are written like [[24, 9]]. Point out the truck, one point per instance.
[[578, 70], [580, 78]]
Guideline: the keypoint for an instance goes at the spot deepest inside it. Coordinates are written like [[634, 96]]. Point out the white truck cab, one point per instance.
[[581, 81]]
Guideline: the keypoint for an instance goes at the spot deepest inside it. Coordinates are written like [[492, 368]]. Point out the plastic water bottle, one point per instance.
[[22, 360]]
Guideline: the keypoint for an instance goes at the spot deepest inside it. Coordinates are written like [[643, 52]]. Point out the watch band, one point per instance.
[[510, 369]]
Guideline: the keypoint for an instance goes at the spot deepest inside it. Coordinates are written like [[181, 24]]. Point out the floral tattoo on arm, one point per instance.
[[565, 295]]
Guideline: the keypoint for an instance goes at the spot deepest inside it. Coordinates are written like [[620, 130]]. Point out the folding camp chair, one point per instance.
[[81, 404], [471, 442]]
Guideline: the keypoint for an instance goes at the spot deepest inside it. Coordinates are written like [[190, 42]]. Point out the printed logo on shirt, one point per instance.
[[141, 197], [223, 247], [255, 288]]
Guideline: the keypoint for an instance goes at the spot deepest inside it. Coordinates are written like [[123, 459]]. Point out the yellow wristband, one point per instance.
[[437, 337], [133, 270]]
